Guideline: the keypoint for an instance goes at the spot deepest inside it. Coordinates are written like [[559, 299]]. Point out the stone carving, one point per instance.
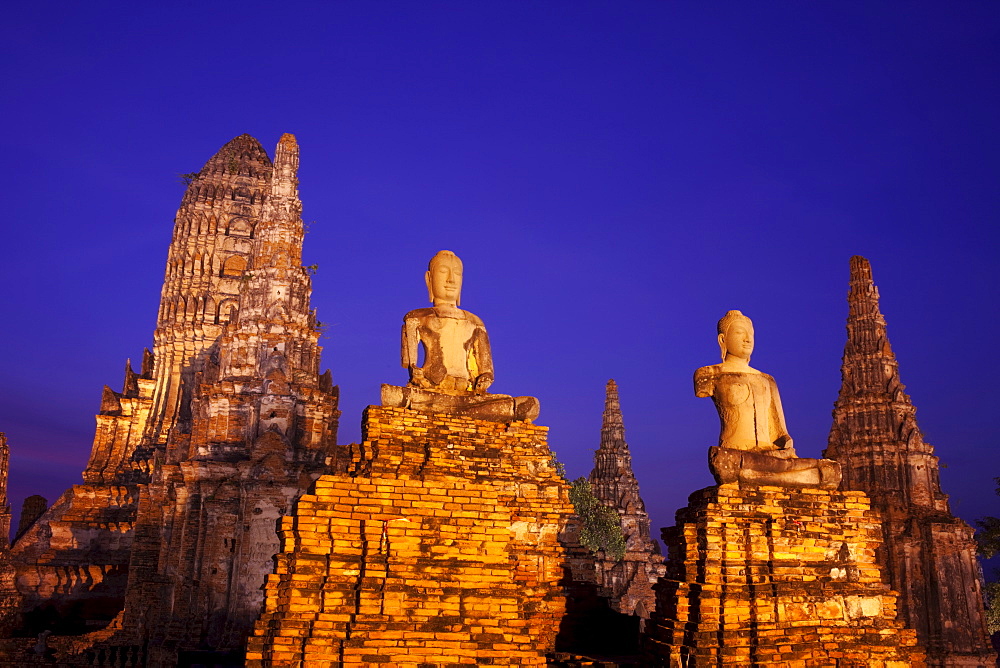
[[458, 367], [754, 445], [929, 555]]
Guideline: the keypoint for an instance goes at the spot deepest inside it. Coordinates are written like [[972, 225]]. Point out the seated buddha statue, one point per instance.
[[457, 367], [754, 444]]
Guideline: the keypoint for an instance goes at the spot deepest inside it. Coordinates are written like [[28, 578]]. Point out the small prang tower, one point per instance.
[[628, 582], [929, 555], [9, 598]]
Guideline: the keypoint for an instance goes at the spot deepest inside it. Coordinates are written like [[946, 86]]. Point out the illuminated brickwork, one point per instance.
[[439, 547], [778, 577]]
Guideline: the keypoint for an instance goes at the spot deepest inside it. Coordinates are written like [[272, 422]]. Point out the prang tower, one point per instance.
[[627, 582], [227, 422], [253, 428], [929, 555]]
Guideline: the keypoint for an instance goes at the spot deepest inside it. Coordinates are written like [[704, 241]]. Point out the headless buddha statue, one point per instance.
[[457, 367], [754, 444]]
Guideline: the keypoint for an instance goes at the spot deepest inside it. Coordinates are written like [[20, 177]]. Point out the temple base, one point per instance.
[[776, 577], [440, 547], [492, 407]]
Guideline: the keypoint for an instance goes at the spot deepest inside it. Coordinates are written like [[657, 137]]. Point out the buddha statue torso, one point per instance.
[[749, 408], [456, 347]]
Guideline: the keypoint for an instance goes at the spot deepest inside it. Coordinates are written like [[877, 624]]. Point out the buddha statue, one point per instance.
[[457, 367], [754, 444]]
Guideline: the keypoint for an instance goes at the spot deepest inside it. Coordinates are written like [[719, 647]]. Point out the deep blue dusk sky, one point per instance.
[[615, 175]]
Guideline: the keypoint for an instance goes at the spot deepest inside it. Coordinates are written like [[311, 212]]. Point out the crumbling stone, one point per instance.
[[929, 555], [439, 547], [775, 576]]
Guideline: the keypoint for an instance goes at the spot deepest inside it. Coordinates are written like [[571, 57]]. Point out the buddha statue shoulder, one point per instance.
[[754, 443]]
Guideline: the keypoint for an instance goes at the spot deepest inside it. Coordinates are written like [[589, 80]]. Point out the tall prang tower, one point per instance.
[[626, 582], [259, 427], [231, 391], [929, 555]]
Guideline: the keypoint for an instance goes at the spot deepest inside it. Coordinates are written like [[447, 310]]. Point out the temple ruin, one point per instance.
[[218, 521], [929, 555]]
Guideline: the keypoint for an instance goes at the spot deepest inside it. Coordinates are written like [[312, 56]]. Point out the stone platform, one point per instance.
[[778, 577], [439, 547]]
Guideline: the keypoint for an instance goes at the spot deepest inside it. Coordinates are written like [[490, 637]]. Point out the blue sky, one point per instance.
[[615, 176]]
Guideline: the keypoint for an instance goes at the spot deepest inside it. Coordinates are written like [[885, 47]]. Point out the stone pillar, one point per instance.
[[439, 547], [10, 600], [929, 555], [776, 576]]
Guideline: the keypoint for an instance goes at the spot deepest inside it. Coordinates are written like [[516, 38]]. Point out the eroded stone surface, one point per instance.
[[929, 555], [439, 547], [776, 576]]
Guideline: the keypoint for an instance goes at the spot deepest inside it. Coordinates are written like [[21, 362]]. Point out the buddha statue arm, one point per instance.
[[704, 382], [482, 358], [409, 350], [779, 432]]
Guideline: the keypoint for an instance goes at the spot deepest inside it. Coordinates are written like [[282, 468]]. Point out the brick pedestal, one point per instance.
[[440, 547], [778, 577]]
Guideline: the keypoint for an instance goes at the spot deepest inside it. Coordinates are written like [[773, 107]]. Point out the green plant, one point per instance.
[[188, 179], [992, 593], [311, 268], [988, 533], [558, 466], [602, 528]]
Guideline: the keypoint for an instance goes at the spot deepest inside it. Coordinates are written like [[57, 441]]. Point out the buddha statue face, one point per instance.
[[736, 336], [444, 279]]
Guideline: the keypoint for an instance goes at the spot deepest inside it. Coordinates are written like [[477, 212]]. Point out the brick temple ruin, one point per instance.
[[219, 522], [929, 555]]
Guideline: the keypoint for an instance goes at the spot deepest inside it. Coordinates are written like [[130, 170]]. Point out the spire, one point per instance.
[[627, 582], [274, 309], [612, 479], [612, 425], [208, 257], [875, 435], [241, 156], [4, 461], [883, 454], [870, 366]]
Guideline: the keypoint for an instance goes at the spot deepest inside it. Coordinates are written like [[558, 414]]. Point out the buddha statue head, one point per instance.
[[444, 279], [735, 336]]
